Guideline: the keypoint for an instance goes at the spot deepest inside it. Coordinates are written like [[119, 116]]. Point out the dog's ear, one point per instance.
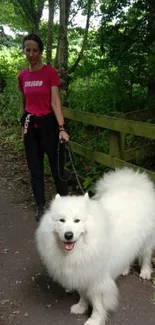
[[57, 196], [86, 195]]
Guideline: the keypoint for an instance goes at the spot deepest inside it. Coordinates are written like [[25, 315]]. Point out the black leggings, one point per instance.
[[37, 142]]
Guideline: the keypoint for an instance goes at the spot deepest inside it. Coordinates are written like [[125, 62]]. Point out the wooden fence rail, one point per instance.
[[119, 127]]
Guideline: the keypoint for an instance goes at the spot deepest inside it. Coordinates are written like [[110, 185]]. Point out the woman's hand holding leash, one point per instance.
[[63, 135]]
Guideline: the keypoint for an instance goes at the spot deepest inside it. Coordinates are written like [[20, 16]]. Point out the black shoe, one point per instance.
[[39, 212]]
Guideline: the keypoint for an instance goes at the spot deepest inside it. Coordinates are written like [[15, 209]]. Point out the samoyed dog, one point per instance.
[[87, 243]]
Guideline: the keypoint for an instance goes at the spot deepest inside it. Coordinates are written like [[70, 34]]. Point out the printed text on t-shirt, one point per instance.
[[36, 83]]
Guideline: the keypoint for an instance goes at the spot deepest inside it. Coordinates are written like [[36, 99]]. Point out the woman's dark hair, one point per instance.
[[35, 38]]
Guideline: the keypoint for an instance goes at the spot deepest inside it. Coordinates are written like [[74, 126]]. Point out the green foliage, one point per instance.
[[21, 15], [104, 92], [5, 40], [11, 17], [95, 172], [30, 11], [11, 62], [43, 33], [127, 38]]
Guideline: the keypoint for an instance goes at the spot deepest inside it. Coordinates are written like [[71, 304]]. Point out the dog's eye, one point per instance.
[[77, 220], [62, 220]]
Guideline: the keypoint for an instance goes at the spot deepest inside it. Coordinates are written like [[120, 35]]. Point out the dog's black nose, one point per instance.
[[68, 235]]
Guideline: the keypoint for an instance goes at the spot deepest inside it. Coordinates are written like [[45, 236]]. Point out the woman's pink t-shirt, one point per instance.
[[36, 87]]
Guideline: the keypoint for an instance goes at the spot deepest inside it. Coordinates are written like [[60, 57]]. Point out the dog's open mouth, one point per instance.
[[69, 246]]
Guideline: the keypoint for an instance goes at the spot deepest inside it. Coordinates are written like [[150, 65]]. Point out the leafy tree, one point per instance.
[[22, 15], [5, 40], [31, 11], [10, 16], [127, 38]]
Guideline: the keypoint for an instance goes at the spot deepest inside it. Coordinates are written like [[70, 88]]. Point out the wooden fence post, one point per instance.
[[116, 144]]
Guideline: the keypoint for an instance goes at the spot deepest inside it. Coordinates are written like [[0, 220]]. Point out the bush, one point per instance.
[[104, 92], [11, 62]]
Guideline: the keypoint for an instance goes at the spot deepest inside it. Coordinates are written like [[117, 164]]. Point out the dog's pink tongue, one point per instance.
[[69, 246]]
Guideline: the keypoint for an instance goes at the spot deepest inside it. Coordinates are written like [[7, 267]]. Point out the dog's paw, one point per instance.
[[78, 309], [91, 321], [145, 274], [126, 271], [68, 291]]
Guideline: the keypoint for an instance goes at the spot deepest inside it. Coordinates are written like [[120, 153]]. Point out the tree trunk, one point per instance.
[[50, 32], [89, 13], [61, 61], [35, 27]]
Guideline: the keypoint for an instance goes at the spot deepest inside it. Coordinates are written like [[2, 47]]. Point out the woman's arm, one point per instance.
[[56, 106]]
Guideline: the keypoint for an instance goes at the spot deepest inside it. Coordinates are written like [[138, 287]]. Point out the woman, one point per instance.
[[42, 120]]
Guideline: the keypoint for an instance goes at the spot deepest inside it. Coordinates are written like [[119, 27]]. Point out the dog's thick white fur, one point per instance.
[[87, 243]]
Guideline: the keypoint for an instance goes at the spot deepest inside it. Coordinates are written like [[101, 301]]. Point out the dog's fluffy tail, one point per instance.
[[122, 178]]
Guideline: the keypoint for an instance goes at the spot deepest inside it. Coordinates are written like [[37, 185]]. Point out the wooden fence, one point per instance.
[[119, 126]]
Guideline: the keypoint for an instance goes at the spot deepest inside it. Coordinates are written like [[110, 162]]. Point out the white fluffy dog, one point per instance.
[[87, 243]]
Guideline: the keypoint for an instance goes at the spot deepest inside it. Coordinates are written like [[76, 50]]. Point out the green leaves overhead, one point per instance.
[[127, 37], [22, 15]]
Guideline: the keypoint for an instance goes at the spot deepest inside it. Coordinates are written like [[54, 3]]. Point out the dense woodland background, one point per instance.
[[106, 66]]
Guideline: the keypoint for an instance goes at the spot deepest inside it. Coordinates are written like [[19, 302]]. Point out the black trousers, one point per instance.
[[38, 141]]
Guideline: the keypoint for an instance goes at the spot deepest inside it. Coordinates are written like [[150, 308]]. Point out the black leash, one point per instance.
[[72, 160]]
